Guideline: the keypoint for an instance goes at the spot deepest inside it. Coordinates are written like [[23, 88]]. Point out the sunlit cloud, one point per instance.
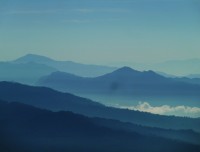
[[166, 109]]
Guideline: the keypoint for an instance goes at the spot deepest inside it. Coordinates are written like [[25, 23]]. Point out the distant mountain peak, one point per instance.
[[126, 69], [33, 58], [123, 73], [128, 74]]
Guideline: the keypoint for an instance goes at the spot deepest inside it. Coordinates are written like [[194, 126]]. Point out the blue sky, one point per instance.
[[101, 31]]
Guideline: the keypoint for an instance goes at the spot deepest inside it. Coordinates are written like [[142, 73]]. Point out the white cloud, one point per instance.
[[77, 21], [63, 11], [166, 109], [29, 12], [84, 10], [80, 21], [101, 10]]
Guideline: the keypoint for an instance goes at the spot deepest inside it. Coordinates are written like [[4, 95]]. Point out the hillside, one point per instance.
[[53, 100], [25, 128]]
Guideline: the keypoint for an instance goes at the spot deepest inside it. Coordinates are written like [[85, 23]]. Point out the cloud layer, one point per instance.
[[167, 110]]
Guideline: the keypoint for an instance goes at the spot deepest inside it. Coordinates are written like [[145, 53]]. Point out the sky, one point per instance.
[[100, 31]]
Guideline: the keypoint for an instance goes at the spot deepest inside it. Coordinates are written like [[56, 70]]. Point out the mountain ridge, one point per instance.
[[42, 130], [85, 70], [28, 73], [46, 98], [124, 80]]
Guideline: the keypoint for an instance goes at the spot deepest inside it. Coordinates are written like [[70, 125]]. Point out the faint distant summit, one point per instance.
[[33, 58], [79, 69], [129, 73], [125, 71]]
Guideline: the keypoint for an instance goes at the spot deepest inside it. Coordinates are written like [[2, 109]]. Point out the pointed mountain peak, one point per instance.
[[129, 73], [126, 70], [123, 73]]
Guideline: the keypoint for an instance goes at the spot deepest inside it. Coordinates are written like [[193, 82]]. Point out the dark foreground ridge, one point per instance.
[[25, 128]]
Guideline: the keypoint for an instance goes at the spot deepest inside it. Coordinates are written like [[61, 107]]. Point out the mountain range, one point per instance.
[[25, 128], [67, 66], [27, 73], [180, 68], [126, 82], [46, 98], [29, 68]]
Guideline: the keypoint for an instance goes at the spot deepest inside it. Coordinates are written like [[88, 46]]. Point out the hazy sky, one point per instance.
[[101, 31]]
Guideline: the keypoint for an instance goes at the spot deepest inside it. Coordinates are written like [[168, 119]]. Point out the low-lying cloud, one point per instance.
[[166, 109]]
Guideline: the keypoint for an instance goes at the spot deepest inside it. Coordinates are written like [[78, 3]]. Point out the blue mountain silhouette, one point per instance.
[[125, 81], [26, 128], [85, 70], [53, 100]]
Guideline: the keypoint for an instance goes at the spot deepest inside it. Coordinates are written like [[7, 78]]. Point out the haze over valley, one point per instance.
[[122, 87], [99, 76]]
